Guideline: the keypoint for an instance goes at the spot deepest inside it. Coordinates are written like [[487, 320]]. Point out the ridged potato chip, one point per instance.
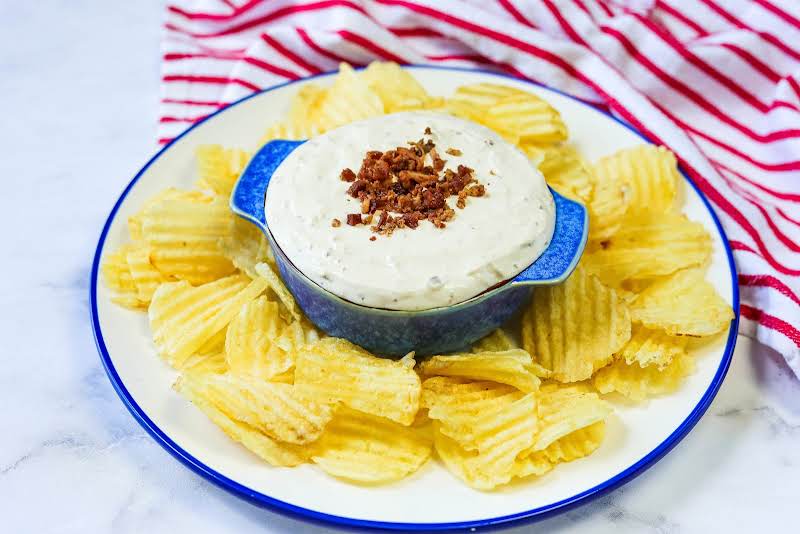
[[272, 451], [297, 334], [275, 283], [145, 276], [610, 200], [349, 99], [289, 131], [652, 347], [684, 304], [366, 448], [397, 88], [637, 383], [578, 444], [564, 410], [204, 363], [484, 95], [512, 367], [171, 193], [531, 118], [246, 246], [250, 342], [334, 369], [183, 318], [629, 253], [652, 174], [563, 169], [533, 464], [220, 167], [305, 107], [281, 411], [119, 280], [575, 328], [183, 235], [497, 340]]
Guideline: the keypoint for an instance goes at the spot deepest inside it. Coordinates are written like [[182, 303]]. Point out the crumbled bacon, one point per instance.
[[336, 223], [403, 186]]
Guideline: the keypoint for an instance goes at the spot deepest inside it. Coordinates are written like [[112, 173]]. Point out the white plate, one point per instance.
[[637, 436]]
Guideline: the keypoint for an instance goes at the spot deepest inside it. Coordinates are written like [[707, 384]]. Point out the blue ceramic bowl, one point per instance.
[[394, 332]]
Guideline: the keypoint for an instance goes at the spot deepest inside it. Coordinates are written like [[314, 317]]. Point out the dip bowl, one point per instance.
[[394, 333]]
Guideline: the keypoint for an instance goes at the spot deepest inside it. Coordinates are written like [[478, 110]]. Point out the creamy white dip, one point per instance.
[[491, 240]]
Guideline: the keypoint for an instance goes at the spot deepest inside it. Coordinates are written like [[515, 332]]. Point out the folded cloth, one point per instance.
[[718, 82]]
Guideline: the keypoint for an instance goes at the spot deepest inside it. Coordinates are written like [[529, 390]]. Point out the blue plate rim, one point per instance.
[[313, 516]]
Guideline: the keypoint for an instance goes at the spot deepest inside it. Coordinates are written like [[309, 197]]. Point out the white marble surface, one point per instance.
[[79, 83]]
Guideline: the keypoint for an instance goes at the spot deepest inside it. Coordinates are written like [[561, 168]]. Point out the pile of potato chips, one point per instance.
[[257, 368]]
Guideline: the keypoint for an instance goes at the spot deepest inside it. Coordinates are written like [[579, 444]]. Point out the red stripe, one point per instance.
[[186, 102], [415, 32], [165, 140], [181, 119], [666, 8], [605, 8], [583, 8], [767, 280], [792, 197], [509, 7], [217, 80], [272, 69], [570, 31], [477, 58], [794, 85], [782, 214], [202, 55], [771, 322], [689, 56], [739, 24], [274, 15], [318, 49], [288, 54], [794, 21], [194, 15], [783, 238], [787, 166], [366, 44], [693, 95]]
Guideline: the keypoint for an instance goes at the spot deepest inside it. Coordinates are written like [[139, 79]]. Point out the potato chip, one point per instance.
[[145, 276], [204, 363], [119, 280], [575, 328], [250, 342], [684, 304], [563, 410], [609, 201], [533, 464], [297, 334], [365, 448], [637, 383], [652, 175], [652, 347], [629, 253], [220, 167], [246, 246], [183, 318], [349, 99], [578, 444], [271, 451], [563, 169], [485, 95], [531, 118], [275, 283], [289, 131], [334, 369], [305, 106], [171, 193], [497, 340], [280, 411], [183, 234], [397, 88], [214, 345], [512, 367]]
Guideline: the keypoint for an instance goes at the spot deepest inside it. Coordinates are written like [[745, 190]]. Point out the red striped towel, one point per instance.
[[716, 81]]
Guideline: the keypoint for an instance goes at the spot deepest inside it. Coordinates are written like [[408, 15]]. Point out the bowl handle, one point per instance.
[[247, 199], [562, 254]]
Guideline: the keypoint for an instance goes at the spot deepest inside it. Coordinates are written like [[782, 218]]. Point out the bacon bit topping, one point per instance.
[[401, 187], [428, 130], [336, 223], [372, 238]]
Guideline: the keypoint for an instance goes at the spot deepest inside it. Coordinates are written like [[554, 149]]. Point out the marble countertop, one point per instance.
[[79, 82]]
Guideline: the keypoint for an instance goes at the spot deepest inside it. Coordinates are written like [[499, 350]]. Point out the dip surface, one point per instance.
[[491, 240]]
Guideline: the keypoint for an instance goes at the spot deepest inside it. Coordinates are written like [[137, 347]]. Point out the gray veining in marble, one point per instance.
[[79, 84]]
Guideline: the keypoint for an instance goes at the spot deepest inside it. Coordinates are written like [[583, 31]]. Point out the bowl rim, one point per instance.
[[331, 520]]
